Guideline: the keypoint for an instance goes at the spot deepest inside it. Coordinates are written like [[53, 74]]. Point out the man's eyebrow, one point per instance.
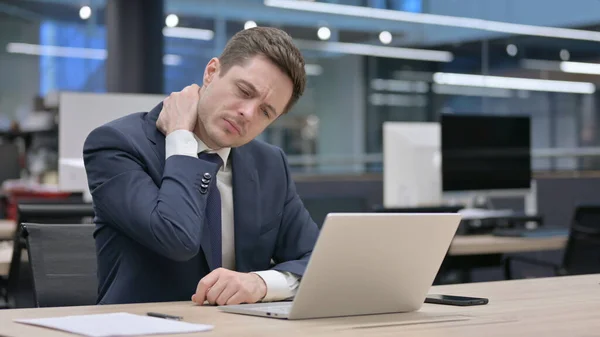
[[254, 91], [250, 86]]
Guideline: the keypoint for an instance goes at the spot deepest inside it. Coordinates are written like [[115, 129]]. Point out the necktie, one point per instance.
[[213, 211]]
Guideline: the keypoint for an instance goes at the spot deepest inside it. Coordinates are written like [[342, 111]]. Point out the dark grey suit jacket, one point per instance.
[[151, 238]]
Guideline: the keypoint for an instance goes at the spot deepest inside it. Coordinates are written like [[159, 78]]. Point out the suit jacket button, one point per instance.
[[204, 186], [205, 181], [207, 175], [203, 190]]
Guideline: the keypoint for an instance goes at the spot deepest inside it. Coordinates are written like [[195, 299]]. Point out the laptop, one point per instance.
[[366, 263]]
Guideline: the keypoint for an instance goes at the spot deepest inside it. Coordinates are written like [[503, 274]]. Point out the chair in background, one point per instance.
[[582, 252], [62, 259], [19, 284], [319, 207]]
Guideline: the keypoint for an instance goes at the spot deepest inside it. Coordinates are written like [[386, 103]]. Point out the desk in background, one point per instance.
[[559, 306], [7, 229], [489, 244]]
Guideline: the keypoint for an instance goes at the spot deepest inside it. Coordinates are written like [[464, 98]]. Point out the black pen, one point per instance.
[[165, 316]]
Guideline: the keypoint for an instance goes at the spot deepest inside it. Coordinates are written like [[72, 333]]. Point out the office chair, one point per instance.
[[319, 207], [62, 260], [582, 252], [19, 283]]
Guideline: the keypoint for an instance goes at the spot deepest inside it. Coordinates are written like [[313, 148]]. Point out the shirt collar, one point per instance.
[[223, 153]]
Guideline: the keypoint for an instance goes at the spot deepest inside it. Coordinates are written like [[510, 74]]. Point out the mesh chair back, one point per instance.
[[39, 211], [63, 263]]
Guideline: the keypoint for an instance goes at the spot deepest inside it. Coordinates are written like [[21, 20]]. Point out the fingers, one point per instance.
[[226, 294], [191, 90], [205, 284], [237, 298], [215, 291]]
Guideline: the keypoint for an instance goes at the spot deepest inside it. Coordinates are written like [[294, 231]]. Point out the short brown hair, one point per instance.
[[272, 43]]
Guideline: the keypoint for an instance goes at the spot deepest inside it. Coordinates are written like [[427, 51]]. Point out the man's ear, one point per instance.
[[211, 70]]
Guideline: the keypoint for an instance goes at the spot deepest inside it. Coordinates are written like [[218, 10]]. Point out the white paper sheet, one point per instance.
[[116, 324]]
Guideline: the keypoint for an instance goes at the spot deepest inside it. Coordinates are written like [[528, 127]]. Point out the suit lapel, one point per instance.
[[155, 136], [246, 205]]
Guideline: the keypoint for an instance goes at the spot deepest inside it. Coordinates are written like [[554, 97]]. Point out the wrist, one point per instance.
[[261, 286]]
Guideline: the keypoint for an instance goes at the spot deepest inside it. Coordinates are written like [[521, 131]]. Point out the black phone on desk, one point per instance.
[[455, 300]]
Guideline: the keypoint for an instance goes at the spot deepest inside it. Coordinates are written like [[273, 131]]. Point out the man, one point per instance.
[[187, 202]]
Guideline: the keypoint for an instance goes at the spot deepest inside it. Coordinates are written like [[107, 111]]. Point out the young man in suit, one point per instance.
[[187, 203]]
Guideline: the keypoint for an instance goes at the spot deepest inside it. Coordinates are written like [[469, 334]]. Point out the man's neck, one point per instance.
[[201, 134]]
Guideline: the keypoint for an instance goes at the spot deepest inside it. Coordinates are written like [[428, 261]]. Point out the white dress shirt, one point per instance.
[[280, 285]]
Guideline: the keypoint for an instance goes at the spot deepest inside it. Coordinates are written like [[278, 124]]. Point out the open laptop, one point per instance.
[[367, 263]]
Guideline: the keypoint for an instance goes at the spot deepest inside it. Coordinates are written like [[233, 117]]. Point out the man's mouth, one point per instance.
[[234, 126]]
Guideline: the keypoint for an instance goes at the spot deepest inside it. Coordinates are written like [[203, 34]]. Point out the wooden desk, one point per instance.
[[490, 244], [7, 229], [560, 306]]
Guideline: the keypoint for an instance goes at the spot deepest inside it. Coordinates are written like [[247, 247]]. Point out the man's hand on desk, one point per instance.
[[226, 287]]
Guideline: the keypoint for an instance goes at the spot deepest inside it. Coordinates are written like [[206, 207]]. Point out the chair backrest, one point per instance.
[[582, 253], [319, 207], [63, 263], [68, 211], [54, 211]]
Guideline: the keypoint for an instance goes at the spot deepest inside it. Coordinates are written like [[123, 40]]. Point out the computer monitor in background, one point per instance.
[[486, 154], [411, 164], [79, 114]]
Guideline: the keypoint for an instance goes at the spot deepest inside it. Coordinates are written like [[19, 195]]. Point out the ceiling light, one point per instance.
[[377, 51], [443, 89], [85, 12], [36, 49], [564, 55], [249, 24], [189, 33], [171, 60], [580, 67], [385, 37], [512, 50], [324, 33], [514, 83], [172, 20], [434, 19], [72, 52]]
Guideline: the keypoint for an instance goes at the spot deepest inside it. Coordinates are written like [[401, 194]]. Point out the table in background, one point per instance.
[[7, 229], [489, 244], [559, 306]]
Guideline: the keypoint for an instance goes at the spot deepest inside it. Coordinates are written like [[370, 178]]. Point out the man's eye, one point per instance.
[[266, 112], [245, 93]]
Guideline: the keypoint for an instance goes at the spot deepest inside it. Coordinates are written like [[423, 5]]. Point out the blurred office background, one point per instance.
[[50, 46], [368, 62]]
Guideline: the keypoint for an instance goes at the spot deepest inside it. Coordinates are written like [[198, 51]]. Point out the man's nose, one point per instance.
[[249, 109]]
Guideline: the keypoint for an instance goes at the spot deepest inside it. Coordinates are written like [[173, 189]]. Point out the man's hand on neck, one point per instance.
[[179, 111]]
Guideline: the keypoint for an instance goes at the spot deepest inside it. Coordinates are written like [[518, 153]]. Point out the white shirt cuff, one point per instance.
[[181, 142], [280, 285]]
